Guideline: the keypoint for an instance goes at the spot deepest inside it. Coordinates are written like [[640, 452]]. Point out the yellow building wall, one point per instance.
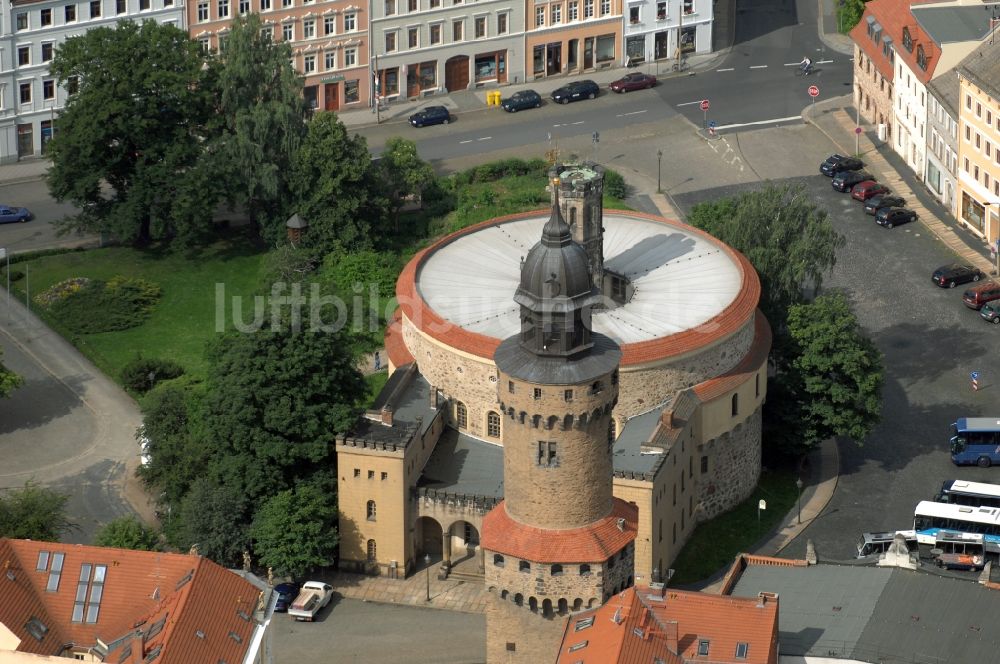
[[978, 167], [365, 475], [716, 416]]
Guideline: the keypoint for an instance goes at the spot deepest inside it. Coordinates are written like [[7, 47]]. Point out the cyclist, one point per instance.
[[806, 65]]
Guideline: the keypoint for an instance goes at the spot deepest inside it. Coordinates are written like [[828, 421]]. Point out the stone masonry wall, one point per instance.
[[578, 590], [734, 467], [515, 635], [872, 92]]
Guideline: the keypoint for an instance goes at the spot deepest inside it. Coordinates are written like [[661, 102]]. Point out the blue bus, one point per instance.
[[976, 440], [973, 494]]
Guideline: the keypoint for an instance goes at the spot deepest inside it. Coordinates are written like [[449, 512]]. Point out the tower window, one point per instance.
[[557, 570], [596, 387], [461, 416], [756, 385], [584, 570], [498, 560], [612, 432], [370, 509], [510, 386], [568, 395], [704, 465], [493, 425], [736, 405], [372, 551], [524, 566], [538, 393], [547, 453]]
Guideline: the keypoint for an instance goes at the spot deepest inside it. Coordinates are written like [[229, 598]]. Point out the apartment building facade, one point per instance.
[[31, 31], [423, 47], [978, 204], [942, 138], [875, 63], [572, 36], [329, 41], [653, 29]]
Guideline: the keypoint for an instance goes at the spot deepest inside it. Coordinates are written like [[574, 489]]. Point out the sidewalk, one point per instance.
[[26, 170]]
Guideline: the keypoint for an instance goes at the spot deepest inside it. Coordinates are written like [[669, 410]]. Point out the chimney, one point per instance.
[[765, 597], [621, 524], [386, 414]]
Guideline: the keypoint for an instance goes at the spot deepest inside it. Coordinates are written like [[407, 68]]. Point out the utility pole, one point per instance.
[[680, 31]]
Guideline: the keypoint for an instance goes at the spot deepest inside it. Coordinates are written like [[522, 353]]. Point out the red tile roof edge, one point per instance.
[[744, 560], [590, 544], [395, 347], [731, 319], [750, 364]]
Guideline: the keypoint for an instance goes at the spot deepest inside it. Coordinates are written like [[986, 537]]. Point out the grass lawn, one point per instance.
[[376, 382], [713, 545], [184, 319]]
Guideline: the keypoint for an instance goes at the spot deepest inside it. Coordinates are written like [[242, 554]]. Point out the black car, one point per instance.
[[521, 100], [431, 115], [894, 216], [876, 203], [836, 163], [286, 595], [947, 276], [844, 181], [585, 89]]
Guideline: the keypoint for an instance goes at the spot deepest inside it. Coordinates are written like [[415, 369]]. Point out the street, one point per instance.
[[40, 232]]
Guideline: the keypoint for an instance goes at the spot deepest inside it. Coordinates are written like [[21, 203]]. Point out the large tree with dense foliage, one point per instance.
[[33, 512], [403, 172], [177, 457], [127, 532], [295, 531], [259, 124], [129, 138]]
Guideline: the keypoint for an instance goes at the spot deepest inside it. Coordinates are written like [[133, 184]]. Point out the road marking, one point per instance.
[[759, 122], [622, 115], [792, 64], [464, 142], [823, 62], [576, 123], [727, 69], [688, 103], [485, 138], [758, 66]]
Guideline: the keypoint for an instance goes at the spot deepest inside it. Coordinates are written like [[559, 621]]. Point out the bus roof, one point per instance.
[[985, 515], [978, 424], [972, 488]]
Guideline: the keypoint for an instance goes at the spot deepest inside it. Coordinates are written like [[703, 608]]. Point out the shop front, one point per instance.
[[491, 67], [551, 53], [635, 50], [973, 213], [331, 92], [421, 78]]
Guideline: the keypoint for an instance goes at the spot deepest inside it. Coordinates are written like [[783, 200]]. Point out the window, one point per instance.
[[493, 425], [89, 591], [907, 40], [979, 139], [69, 13], [688, 6], [265, 6], [583, 624], [286, 3], [703, 643], [357, 472], [23, 55], [330, 59], [633, 14], [22, 21], [223, 8], [411, 37], [435, 4], [661, 11], [120, 7], [370, 510], [968, 133], [501, 24], [538, 391], [143, 5], [461, 414], [49, 90], [243, 7], [736, 405], [704, 465], [46, 51], [539, 16], [309, 64], [46, 17], [547, 455], [523, 566], [556, 570], [556, 14], [605, 7], [756, 385], [350, 59], [350, 22], [390, 7], [456, 31], [436, 39], [309, 29], [329, 25], [498, 560], [584, 570], [480, 27], [979, 110], [412, 6], [202, 12], [43, 561], [25, 93], [287, 31], [372, 551]]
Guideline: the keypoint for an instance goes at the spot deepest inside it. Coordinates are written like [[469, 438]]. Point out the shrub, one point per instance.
[[96, 306], [135, 374], [614, 184], [16, 275]]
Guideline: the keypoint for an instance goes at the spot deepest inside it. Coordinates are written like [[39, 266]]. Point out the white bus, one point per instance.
[[931, 518], [973, 494]]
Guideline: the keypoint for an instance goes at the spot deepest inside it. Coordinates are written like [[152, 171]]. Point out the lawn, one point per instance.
[[713, 545], [185, 317]]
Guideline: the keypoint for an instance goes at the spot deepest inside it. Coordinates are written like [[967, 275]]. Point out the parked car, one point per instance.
[[430, 115], [575, 91], [634, 81], [876, 203], [890, 217], [991, 312], [947, 276], [312, 597], [287, 592], [845, 180], [14, 215], [521, 100], [862, 191], [979, 295], [836, 163]]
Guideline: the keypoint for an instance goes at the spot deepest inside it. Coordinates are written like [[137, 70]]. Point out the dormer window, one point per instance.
[[921, 57], [907, 40]]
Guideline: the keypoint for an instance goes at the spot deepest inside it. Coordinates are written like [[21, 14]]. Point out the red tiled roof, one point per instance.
[[732, 318], [395, 348], [590, 544], [894, 15], [639, 623], [191, 593]]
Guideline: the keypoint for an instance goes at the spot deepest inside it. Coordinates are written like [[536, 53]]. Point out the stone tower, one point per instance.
[[559, 542], [580, 198]]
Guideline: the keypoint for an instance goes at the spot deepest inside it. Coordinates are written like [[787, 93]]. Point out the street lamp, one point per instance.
[[427, 564], [659, 161], [798, 485]]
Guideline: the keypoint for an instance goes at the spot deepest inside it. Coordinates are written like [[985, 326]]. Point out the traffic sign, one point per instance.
[[711, 125], [857, 130], [813, 91], [704, 104], [975, 375]]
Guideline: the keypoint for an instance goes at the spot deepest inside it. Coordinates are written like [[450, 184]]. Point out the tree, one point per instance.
[[789, 241], [275, 400], [130, 132], [9, 381], [126, 532], [34, 512], [260, 122], [177, 455], [296, 530], [334, 188], [214, 518], [403, 172], [838, 369], [849, 13]]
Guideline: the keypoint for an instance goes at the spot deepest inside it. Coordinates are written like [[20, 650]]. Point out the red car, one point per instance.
[[634, 81], [864, 190]]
